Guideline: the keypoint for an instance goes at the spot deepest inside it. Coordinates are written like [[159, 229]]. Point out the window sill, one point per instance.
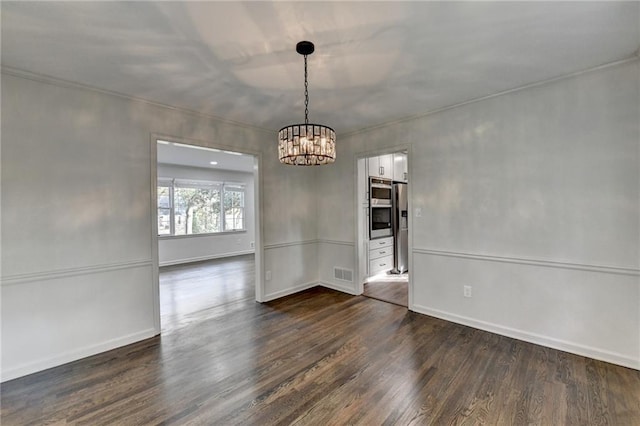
[[211, 234]]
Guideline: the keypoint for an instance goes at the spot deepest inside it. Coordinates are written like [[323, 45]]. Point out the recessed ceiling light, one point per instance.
[[213, 163]]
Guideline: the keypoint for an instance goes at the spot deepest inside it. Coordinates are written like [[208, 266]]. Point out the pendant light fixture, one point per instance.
[[306, 144]]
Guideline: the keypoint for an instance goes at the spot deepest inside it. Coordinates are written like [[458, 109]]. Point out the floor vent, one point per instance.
[[343, 274]]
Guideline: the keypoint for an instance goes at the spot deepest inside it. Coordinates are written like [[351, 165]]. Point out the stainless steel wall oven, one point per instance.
[[380, 191], [380, 208]]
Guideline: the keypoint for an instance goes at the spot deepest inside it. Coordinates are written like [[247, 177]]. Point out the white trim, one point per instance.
[[208, 234], [16, 72], [72, 272], [258, 226], [205, 143], [289, 291], [74, 355], [631, 59], [336, 242], [208, 257], [535, 262], [175, 183], [538, 339], [408, 148], [338, 287], [257, 194], [155, 251], [360, 161], [291, 244]]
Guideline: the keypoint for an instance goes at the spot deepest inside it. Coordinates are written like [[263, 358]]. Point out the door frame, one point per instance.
[[360, 245], [258, 208]]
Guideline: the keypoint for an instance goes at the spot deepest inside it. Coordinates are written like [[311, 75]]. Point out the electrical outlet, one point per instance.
[[268, 275], [467, 291], [252, 244], [418, 212]]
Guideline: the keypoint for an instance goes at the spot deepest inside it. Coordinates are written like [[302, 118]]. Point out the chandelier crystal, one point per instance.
[[306, 144]]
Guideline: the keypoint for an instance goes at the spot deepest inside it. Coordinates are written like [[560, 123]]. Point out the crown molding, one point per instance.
[[41, 78], [633, 58]]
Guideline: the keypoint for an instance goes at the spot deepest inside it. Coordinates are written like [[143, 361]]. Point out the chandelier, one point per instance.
[[306, 144]]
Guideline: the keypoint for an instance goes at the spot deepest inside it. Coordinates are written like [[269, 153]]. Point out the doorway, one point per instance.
[[206, 212], [194, 292], [383, 223]]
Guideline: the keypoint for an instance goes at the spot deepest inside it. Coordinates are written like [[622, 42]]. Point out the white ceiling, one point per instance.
[[194, 156], [374, 61]]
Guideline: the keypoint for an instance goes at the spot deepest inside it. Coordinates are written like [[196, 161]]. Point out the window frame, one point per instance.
[[236, 188], [172, 183], [168, 183]]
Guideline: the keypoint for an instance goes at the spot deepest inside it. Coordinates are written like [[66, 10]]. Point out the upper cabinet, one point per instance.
[[389, 166], [381, 166], [400, 167]]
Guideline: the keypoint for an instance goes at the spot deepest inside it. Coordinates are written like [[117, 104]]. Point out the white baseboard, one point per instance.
[[305, 286], [201, 258], [288, 291], [562, 345], [338, 287], [73, 355]]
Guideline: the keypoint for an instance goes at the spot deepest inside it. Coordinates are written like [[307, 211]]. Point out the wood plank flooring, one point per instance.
[[317, 358], [396, 292], [189, 292]]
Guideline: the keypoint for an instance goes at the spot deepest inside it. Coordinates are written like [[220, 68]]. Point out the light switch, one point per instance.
[[418, 212]]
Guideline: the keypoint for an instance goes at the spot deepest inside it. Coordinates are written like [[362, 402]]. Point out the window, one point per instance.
[[165, 208], [233, 207], [188, 207], [197, 208]]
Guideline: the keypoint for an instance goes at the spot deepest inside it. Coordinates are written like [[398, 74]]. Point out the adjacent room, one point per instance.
[[206, 219], [320, 213]]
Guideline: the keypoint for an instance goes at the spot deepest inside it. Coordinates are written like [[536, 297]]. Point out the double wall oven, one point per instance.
[[380, 207]]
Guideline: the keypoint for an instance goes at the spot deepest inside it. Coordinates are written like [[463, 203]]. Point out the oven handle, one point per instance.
[[381, 185]]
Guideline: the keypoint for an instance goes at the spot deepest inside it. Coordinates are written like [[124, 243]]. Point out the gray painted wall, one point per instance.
[[79, 258], [530, 197]]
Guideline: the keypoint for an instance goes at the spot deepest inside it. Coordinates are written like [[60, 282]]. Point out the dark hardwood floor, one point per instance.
[[192, 292], [392, 291], [317, 358]]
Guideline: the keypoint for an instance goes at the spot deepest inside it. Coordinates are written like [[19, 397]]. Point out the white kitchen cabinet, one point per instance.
[[380, 243], [381, 166], [380, 265], [400, 172], [380, 255]]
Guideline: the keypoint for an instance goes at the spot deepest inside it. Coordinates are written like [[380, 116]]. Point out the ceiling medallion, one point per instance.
[[306, 144]]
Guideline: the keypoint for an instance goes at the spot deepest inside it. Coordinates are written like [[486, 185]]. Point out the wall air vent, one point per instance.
[[343, 274]]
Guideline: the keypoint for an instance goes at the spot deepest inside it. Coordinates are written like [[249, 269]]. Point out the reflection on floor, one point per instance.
[[208, 289], [321, 357], [388, 288]]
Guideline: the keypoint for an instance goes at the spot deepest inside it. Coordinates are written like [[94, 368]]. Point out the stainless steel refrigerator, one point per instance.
[[400, 229]]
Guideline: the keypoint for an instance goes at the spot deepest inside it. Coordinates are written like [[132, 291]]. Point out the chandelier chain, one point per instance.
[[306, 93]]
